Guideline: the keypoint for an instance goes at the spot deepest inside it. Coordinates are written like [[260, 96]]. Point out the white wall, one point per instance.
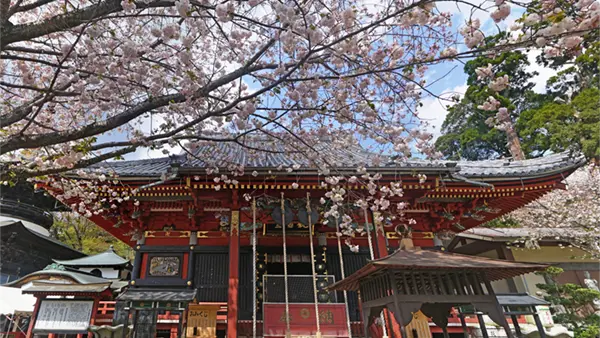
[[106, 272], [12, 300]]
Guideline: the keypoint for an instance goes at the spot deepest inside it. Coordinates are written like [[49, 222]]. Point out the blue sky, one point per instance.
[[433, 110]]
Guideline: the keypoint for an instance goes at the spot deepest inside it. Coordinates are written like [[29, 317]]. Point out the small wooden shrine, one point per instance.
[[237, 255], [69, 293], [431, 282]]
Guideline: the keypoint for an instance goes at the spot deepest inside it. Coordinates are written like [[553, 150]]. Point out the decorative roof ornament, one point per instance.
[[55, 266]]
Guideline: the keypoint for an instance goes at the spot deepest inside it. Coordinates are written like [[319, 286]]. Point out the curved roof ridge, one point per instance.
[[344, 156], [79, 277], [106, 258]]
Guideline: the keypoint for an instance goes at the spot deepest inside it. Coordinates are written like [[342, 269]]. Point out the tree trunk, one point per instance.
[[514, 144]]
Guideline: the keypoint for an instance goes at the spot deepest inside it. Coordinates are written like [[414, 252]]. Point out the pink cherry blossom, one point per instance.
[[491, 104], [501, 13], [484, 73], [499, 84]]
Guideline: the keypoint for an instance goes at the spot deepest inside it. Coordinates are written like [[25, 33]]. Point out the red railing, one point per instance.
[[105, 312]]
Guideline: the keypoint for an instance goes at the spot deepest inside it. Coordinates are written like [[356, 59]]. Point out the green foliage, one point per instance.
[[567, 117], [85, 236], [558, 127], [503, 222], [591, 331], [574, 299], [465, 133]]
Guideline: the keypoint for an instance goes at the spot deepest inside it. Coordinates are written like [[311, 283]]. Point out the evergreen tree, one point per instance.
[[571, 304], [465, 133]]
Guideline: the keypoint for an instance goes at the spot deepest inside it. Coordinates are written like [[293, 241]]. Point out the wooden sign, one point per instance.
[[202, 321], [59, 316], [293, 228]]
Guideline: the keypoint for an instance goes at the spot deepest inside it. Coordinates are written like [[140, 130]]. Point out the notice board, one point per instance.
[[72, 316]]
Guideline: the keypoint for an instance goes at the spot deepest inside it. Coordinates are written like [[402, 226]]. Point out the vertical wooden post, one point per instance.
[[499, 309], [463, 324], [539, 325], [517, 327], [94, 313], [484, 332], [380, 240], [380, 252], [36, 309], [234, 264]]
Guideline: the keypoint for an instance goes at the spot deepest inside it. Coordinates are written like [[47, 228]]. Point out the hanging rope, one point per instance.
[[254, 266], [381, 317], [312, 265], [285, 274], [343, 275], [368, 234]]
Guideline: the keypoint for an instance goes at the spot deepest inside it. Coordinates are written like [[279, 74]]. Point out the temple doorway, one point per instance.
[[293, 269]]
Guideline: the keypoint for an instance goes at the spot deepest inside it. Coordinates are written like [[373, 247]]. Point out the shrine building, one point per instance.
[[192, 232]]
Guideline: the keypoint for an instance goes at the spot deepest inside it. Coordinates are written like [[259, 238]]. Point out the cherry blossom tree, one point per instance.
[[91, 80], [572, 214], [76, 74]]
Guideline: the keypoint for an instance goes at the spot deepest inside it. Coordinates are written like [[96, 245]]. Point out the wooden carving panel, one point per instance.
[[164, 266]]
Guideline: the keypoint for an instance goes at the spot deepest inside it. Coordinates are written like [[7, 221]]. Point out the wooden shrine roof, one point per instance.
[[107, 258], [61, 288], [441, 261], [350, 156], [47, 274]]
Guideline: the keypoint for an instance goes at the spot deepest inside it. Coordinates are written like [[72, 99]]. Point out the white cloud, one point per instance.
[[463, 11], [434, 110], [544, 73]]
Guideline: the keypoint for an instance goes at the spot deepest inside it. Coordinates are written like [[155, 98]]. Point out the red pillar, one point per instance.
[[382, 251], [234, 255], [36, 309], [380, 241], [94, 313]]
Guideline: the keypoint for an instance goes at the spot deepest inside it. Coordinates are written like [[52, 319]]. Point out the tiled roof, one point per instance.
[[508, 299], [106, 258], [508, 234], [273, 154], [8, 228], [61, 288], [80, 278], [439, 261]]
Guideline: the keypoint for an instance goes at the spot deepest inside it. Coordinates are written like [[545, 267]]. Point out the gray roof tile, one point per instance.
[[59, 288], [106, 258], [273, 154], [80, 278]]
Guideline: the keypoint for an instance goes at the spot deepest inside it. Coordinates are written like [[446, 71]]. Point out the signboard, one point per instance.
[[291, 228], [332, 318], [64, 316], [202, 321], [545, 314]]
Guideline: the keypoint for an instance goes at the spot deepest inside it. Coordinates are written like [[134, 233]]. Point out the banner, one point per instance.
[[64, 316], [302, 320], [202, 321]]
